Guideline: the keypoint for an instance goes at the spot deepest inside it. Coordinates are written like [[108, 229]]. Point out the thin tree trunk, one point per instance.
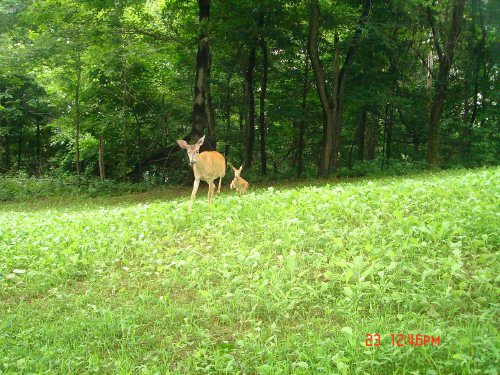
[[38, 150], [251, 108], [390, 125], [138, 142], [209, 107], [242, 136], [350, 150], [477, 56], [302, 122], [338, 84], [77, 114], [412, 130], [125, 127], [371, 139], [430, 68], [102, 174], [125, 148], [382, 163], [8, 155], [19, 147], [262, 124], [361, 136], [228, 116]]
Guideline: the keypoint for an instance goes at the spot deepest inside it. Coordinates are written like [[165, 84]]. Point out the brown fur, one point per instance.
[[207, 166], [239, 183]]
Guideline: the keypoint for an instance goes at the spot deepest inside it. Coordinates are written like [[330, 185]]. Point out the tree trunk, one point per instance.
[[337, 90], [8, 155], [430, 68], [262, 124], [350, 150], [228, 116], [361, 136], [102, 174], [371, 139], [436, 109], [2, 140], [441, 87], [242, 136], [77, 115], [390, 125], [412, 130], [476, 57], [209, 107], [302, 122], [138, 142], [251, 108], [125, 147], [200, 105], [384, 137], [202, 102], [19, 147], [37, 150]]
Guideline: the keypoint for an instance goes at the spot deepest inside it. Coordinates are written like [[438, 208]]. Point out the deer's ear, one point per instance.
[[182, 143], [200, 141], [241, 167]]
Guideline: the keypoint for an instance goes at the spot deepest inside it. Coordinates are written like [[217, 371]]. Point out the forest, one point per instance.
[[360, 232], [287, 88]]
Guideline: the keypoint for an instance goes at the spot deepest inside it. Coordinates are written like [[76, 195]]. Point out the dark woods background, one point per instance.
[[103, 88]]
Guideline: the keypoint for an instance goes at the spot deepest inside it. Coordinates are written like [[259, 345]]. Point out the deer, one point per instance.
[[239, 183], [207, 166]]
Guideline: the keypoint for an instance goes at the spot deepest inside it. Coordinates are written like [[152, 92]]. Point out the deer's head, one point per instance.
[[192, 150], [237, 172]]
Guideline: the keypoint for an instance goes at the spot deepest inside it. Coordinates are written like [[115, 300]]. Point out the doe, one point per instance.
[[207, 166]]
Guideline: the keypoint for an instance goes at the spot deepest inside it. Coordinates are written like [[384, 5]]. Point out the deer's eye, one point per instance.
[[197, 151]]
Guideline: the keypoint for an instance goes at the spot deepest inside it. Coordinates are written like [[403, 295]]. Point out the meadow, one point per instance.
[[284, 280]]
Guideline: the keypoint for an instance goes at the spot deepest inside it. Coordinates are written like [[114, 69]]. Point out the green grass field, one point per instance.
[[284, 280]]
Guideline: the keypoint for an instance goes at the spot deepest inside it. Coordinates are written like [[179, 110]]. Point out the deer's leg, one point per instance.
[[210, 190], [193, 194], [220, 183]]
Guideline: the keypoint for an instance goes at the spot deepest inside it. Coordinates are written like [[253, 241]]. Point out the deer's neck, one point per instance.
[[202, 169]]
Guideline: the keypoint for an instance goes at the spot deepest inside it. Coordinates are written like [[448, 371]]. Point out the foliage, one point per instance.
[[131, 63], [16, 188], [147, 288]]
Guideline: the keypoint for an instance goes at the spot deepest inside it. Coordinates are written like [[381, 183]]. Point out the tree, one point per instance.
[[445, 56], [332, 103]]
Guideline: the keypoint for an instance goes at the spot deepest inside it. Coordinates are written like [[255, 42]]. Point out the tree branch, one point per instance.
[[319, 73], [424, 62], [353, 45], [435, 39]]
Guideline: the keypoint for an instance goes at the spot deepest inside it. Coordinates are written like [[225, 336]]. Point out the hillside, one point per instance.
[[287, 280]]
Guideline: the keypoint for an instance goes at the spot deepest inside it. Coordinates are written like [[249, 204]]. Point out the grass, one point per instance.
[[284, 280]]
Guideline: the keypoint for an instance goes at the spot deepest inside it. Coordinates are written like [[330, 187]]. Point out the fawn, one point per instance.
[[239, 183]]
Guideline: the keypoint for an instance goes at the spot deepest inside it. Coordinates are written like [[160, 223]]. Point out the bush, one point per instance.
[[20, 188], [373, 168]]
